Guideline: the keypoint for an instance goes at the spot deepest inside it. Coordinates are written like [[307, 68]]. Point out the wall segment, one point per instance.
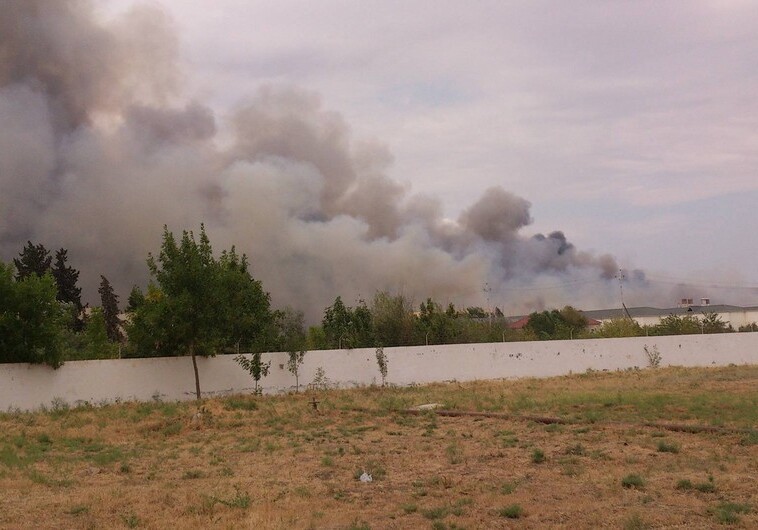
[[28, 387]]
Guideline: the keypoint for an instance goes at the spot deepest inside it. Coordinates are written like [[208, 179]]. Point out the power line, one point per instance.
[[556, 286], [664, 279]]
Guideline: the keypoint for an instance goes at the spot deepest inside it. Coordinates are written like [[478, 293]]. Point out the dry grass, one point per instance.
[[271, 462]]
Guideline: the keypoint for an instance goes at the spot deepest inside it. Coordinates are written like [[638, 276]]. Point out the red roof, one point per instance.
[[520, 323]]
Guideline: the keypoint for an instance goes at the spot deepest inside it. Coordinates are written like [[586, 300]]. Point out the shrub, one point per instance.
[[513, 511], [664, 447], [633, 481]]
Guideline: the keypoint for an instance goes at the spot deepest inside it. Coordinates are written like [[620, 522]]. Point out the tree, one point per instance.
[[33, 259], [712, 323], [362, 328], [135, 300], [435, 326], [197, 305], [393, 320], [619, 327], [31, 319], [336, 325], [109, 304], [551, 325], [476, 312], [66, 278], [676, 325], [92, 342], [543, 324], [573, 320], [250, 318], [292, 340], [255, 366]]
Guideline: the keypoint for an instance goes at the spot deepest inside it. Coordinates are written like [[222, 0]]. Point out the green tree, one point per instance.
[[393, 320], [476, 312], [337, 324], [362, 328], [33, 259], [109, 304], [544, 324], [293, 341], [31, 319], [619, 327], [255, 366], [197, 305], [135, 300], [676, 325], [66, 278], [572, 320], [435, 326], [567, 323], [712, 323], [249, 306], [92, 342], [317, 338]]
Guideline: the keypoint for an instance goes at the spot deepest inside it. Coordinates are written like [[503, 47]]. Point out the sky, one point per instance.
[[629, 126]]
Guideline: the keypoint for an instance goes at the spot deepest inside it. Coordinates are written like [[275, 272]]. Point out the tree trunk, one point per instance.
[[197, 376]]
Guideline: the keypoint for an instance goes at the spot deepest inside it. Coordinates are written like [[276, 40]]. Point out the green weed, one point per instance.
[[635, 522], [633, 481], [664, 447], [727, 512], [512, 511]]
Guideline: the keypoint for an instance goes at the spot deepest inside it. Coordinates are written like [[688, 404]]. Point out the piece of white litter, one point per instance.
[[365, 477], [429, 406]]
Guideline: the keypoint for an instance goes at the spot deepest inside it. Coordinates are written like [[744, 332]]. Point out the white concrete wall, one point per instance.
[[28, 387]]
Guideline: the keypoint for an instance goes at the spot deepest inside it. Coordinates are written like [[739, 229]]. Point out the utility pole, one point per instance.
[[487, 290], [620, 276]]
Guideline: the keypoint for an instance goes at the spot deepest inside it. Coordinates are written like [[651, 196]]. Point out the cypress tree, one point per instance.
[[109, 303], [66, 278]]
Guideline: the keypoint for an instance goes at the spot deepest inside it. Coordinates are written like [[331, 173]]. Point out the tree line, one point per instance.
[[197, 304]]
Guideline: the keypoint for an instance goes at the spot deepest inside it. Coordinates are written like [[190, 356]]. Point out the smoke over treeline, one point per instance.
[[99, 148]]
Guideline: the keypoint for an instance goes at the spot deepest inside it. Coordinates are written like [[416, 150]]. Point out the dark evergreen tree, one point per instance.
[[109, 303], [66, 278], [136, 299], [34, 259]]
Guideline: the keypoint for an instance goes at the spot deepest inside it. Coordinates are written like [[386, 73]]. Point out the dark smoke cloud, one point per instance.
[[98, 151]]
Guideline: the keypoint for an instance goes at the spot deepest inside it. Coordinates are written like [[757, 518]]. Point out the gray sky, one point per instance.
[[631, 126]]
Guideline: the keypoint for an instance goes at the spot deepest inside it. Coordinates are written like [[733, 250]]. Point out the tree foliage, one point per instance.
[[292, 339], [196, 304], [619, 327], [393, 320], [255, 366], [565, 324], [109, 304], [677, 325], [31, 319], [33, 259], [92, 342]]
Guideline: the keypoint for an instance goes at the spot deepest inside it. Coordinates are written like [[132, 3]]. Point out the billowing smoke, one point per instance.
[[98, 150]]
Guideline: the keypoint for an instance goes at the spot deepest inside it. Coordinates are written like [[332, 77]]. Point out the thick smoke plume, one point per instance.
[[99, 149]]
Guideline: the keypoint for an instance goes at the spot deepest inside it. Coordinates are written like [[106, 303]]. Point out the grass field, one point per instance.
[[626, 450]]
